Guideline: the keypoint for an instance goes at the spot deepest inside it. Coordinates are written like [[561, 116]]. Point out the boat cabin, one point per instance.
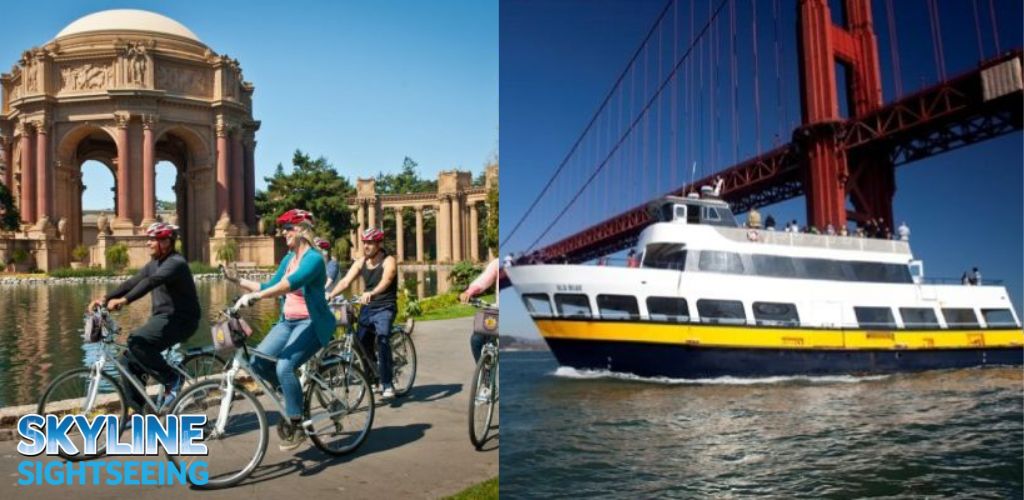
[[692, 210]]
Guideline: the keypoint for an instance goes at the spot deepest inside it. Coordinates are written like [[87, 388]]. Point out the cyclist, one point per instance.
[[380, 301], [306, 323], [175, 312], [330, 261], [486, 280]]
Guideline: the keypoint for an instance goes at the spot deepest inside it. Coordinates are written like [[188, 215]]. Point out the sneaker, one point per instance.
[[389, 393], [293, 437], [483, 395], [170, 394]]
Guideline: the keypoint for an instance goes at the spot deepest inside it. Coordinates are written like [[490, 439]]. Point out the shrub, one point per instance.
[[86, 272], [463, 274], [227, 251], [202, 268], [117, 256], [80, 253], [19, 256]]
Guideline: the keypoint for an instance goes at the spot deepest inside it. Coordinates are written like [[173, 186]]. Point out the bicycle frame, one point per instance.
[[105, 358]]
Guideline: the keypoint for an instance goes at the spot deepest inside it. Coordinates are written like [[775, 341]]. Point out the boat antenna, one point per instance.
[[693, 172]]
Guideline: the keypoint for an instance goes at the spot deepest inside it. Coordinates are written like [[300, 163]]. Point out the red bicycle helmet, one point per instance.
[[295, 217], [373, 234], [160, 230], [323, 244]]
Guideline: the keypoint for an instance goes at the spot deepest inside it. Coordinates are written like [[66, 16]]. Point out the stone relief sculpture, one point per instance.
[[102, 223], [62, 226], [182, 80], [137, 57], [86, 76]]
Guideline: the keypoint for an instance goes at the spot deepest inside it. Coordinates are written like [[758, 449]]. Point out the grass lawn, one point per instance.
[[455, 311], [486, 489]]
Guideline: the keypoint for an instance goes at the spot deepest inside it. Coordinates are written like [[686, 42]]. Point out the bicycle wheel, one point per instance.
[[340, 404], [235, 451], [78, 392], [202, 366], [403, 356], [481, 400]]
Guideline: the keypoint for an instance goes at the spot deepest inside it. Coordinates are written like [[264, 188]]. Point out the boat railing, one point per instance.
[[815, 240], [958, 281]]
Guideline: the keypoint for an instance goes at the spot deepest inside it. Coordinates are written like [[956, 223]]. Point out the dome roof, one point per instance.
[[127, 20]]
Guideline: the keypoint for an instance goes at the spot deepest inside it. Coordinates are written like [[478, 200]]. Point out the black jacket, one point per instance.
[[170, 280]]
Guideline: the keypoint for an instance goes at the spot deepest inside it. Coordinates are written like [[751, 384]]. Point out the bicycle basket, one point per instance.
[[93, 331], [486, 322], [230, 333], [343, 313]]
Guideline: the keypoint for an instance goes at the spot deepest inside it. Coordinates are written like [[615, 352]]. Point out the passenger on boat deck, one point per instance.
[[508, 260], [769, 223], [843, 231], [631, 259], [794, 227], [754, 219], [830, 229], [903, 231], [965, 280], [975, 277], [860, 233]]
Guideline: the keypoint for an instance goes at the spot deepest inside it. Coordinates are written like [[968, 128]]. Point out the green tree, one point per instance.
[[406, 181], [312, 185], [9, 216]]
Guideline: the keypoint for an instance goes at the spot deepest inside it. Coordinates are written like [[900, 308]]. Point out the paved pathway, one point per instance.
[[419, 446]]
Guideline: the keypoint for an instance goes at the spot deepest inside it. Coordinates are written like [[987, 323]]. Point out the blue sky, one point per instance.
[[559, 59], [363, 83]]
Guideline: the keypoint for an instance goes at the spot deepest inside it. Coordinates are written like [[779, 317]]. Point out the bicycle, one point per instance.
[[484, 387], [337, 416], [92, 391], [403, 350]]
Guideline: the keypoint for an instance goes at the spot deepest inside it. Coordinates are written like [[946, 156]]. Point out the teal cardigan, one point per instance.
[[311, 276]]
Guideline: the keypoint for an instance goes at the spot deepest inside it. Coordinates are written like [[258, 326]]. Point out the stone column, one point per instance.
[[250, 183], [360, 214], [28, 174], [237, 191], [474, 233], [456, 229], [6, 163], [148, 172], [124, 178], [372, 206], [399, 236], [419, 234], [222, 169], [44, 181], [444, 231]]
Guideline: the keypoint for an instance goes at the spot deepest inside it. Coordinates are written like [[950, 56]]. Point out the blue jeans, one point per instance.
[[379, 321], [292, 342], [477, 342]]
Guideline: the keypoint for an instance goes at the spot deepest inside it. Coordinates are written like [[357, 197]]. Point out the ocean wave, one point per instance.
[[573, 373]]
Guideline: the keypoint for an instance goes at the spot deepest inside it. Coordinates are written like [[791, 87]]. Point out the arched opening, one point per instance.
[[178, 152], [98, 196], [168, 184]]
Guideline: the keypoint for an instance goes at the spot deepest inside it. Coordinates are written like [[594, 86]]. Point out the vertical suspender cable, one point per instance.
[[778, 78], [977, 30], [657, 184], [940, 61], [757, 89], [674, 128], [995, 26], [894, 49], [733, 70]]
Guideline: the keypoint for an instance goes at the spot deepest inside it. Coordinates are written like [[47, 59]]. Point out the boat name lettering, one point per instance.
[[569, 288]]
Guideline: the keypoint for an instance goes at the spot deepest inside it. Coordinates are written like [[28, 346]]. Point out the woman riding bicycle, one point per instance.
[[306, 323], [486, 280]]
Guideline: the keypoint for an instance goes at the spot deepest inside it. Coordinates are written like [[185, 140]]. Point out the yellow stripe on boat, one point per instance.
[[761, 337]]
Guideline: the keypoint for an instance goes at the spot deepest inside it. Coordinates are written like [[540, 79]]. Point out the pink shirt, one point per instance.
[[294, 302]]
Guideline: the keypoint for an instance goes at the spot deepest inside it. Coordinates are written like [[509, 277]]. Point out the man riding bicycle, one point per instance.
[[380, 301], [306, 323], [175, 312]]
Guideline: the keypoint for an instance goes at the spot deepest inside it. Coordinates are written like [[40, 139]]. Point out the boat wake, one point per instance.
[[573, 373]]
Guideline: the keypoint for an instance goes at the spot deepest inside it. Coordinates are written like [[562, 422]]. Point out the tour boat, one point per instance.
[[712, 299]]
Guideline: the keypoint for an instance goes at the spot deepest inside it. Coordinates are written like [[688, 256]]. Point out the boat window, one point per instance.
[[572, 305], [666, 212], [720, 262], [693, 214], [537, 303], [919, 317], [998, 317], [711, 214], [668, 309], [665, 256], [776, 314], [821, 269], [877, 272], [618, 307], [680, 212], [874, 317], [773, 265], [721, 311], [957, 317]]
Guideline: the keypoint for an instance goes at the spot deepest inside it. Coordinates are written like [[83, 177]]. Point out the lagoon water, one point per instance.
[[948, 434]]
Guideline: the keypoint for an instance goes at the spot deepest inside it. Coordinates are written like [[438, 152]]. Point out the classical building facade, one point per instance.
[[129, 88], [455, 207]]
